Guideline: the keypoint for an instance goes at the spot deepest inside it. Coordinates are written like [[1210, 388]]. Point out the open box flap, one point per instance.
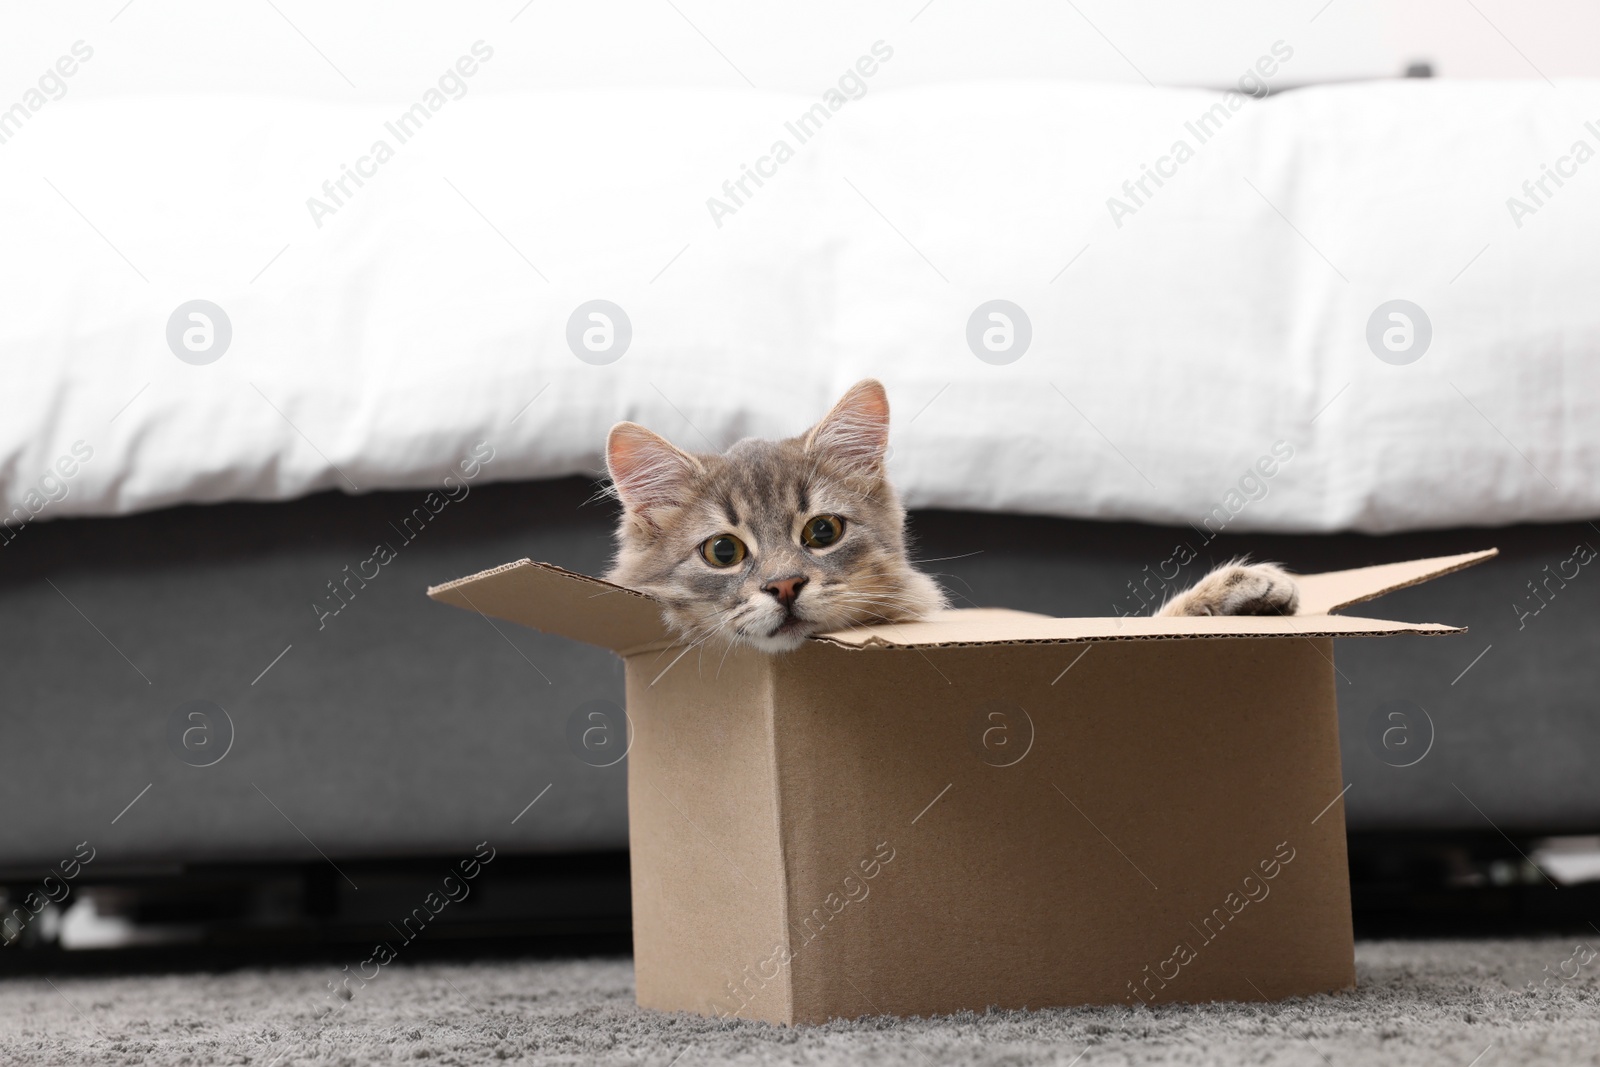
[[1320, 594], [558, 601], [1323, 594], [554, 600]]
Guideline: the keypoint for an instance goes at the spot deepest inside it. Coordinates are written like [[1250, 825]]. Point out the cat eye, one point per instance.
[[723, 550], [820, 531]]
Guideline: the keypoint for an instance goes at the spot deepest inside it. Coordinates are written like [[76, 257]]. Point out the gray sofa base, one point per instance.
[[395, 726]]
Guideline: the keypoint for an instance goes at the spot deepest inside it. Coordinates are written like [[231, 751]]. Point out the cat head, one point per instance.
[[771, 541]]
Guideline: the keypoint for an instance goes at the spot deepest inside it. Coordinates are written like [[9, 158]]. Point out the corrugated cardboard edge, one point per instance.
[[441, 592], [1372, 628]]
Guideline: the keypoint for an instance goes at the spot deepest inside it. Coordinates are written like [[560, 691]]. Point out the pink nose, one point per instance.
[[785, 589]]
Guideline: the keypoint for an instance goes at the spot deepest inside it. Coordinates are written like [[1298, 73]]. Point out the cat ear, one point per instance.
[[856, 432], [646, 469]]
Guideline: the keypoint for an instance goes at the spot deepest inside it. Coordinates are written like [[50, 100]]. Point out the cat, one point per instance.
[[771, 542]]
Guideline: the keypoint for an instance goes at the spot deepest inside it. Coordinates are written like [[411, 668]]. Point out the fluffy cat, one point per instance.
[[773, 541]]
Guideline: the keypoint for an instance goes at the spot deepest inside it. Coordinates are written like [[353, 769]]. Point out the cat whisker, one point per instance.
[[883, 596], [952, 577], [698, 636], [671, 665], [605, 490], [942, 559], [721, 661]]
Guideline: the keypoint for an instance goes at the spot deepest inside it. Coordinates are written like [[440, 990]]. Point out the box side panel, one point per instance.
[[973, 827], [703, 837]]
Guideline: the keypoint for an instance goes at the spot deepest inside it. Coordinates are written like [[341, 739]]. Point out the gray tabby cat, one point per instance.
[[773, 541]]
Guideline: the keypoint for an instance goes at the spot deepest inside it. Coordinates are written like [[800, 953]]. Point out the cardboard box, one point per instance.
[[988, 808]]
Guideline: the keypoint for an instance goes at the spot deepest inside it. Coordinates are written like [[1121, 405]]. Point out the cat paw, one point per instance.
[[1238, 589]]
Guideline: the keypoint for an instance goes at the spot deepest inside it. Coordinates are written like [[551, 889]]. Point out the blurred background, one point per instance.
[[307, 308], [184, 47]]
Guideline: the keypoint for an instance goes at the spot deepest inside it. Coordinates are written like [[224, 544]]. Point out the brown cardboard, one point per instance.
[[988, 808], [1323, 594], [542, 596]]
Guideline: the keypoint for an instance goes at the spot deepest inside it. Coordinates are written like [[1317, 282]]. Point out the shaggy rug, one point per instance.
[[1461, 1004]]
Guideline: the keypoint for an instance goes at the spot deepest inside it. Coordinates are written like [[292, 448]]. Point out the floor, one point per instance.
[[1456, 1003]]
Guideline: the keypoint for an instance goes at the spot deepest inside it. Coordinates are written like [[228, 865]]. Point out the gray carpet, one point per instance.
[[1450, 1003]]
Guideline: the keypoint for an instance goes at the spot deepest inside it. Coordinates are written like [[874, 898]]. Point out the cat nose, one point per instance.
[[785, 589]]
